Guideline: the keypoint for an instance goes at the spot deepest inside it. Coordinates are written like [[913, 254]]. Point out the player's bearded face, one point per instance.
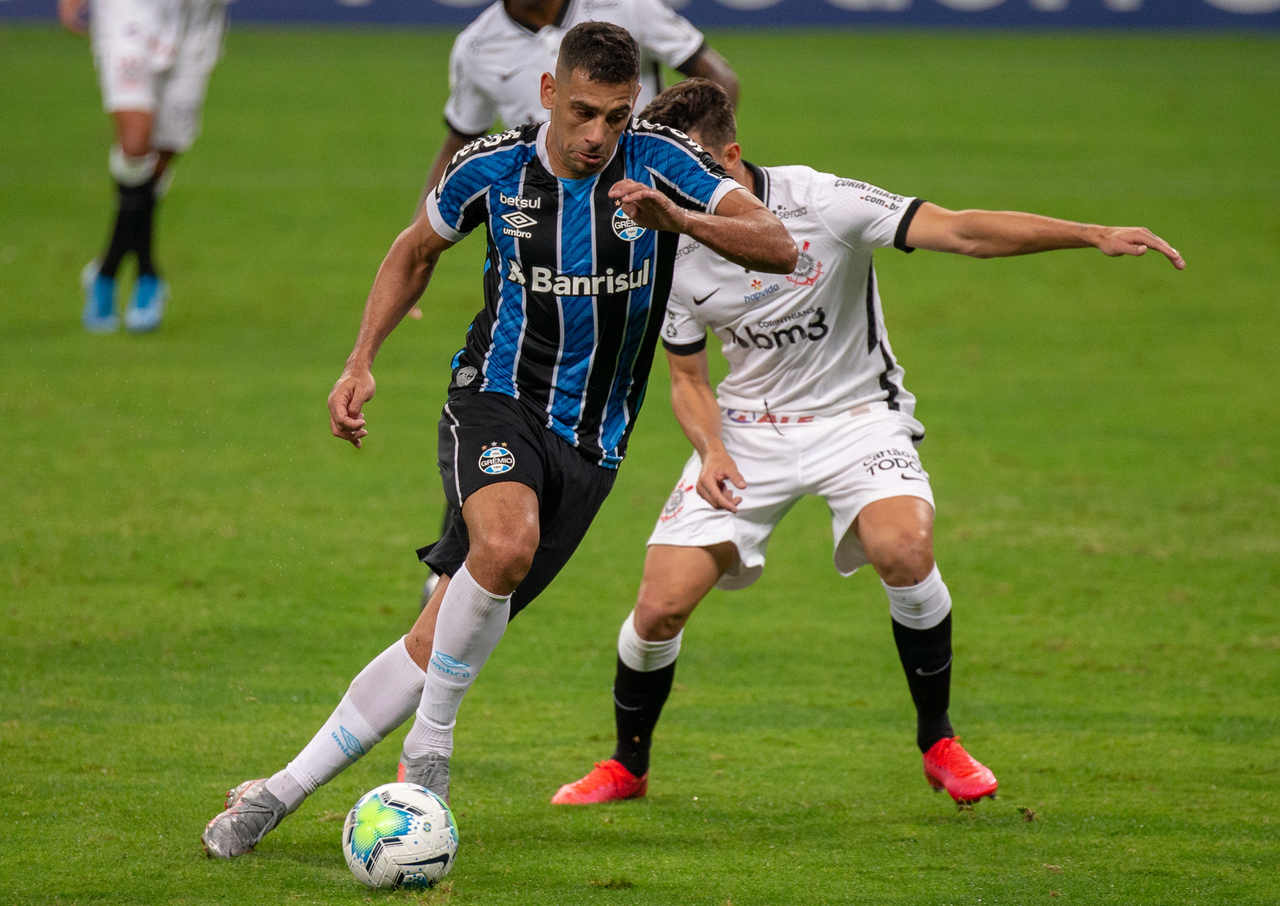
[[587, 119]]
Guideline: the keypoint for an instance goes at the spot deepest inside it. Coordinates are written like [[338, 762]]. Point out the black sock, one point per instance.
[[132, 228], [637, 703], [145, 228], [926, 659]]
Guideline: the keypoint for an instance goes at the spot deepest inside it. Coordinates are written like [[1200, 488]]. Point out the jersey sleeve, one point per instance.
[[460, 201], [664, 33], [469, 109], [682, 333], [860, 214], [681, 169]]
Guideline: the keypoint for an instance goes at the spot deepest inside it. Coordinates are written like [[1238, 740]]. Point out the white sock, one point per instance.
[[379, 699], [642, 655], [131, 171], [921, 606], [468, 629]]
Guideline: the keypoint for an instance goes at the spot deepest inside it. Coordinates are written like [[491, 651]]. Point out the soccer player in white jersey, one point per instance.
[[154, 59], [496, 61], [811, 371]]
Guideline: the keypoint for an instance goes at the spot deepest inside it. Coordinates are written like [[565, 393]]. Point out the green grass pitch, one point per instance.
[[191, 569]]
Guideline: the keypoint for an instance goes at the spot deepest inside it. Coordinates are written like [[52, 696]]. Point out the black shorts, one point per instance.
[[486, 438]]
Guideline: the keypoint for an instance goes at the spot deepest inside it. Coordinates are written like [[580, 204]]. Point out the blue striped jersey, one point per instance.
[[574, 292]]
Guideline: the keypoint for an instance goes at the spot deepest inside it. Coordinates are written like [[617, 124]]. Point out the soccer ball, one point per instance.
[[400, 835]]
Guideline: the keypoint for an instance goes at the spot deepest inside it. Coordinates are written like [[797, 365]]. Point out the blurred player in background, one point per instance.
[[497, 60], [813, 403], [581, 215], [154, 59]]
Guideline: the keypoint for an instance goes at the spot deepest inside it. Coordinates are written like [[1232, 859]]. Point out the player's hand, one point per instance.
[[718, 472], [1116, 241], [74, 15], [415, 313], [355, 388], [648, 207]]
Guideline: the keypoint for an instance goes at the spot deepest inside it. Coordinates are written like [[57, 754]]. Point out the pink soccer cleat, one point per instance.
[[607, 782]]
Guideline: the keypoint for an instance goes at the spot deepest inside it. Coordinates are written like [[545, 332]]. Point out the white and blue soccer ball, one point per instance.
[[400, 835]]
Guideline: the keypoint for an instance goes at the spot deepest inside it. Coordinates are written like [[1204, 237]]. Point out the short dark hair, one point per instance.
[[604, 51], [695, 105]]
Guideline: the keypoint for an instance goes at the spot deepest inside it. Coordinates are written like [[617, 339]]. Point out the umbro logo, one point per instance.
[[697, 301], [519, 219]]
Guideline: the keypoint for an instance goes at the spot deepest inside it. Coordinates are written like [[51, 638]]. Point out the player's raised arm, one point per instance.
[[742, 229], [696, 409], [401, 279], [998, 234]]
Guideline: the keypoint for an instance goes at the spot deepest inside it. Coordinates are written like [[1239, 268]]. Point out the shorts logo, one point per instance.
[[808, 268], [496, 459], [625, 228], [904, 462], [466, 374], [675, 503]]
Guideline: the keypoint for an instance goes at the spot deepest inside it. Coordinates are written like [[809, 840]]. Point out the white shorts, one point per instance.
[[157, 56], [849, 460]]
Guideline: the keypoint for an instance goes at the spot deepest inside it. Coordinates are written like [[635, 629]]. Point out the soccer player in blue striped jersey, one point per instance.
[[582, 216]]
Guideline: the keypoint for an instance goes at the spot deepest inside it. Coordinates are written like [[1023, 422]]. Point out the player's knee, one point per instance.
[[906, 558], [659, 617], [507, 557], [134, 139]]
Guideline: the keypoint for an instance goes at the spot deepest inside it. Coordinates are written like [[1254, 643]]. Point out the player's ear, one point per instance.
[[731, 154], [547, 90]]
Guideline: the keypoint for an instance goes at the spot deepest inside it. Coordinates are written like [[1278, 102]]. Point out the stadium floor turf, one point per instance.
[[192, 570]]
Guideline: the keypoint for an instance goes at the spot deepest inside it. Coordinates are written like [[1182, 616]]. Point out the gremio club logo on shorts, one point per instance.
[[496, 459]]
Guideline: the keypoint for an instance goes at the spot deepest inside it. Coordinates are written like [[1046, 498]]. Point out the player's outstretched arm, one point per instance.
[[695, 407], [998, 234], [741, 229], [401, 279]]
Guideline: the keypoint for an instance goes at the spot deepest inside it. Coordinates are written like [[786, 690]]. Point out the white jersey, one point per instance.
[[496, 64], [812, 342]]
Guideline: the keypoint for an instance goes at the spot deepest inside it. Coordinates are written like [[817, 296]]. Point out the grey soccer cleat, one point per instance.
[[430, 770], [251, 811]]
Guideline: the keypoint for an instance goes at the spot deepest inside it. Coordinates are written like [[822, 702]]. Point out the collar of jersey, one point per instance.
[[761, 180], [520, 23]]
